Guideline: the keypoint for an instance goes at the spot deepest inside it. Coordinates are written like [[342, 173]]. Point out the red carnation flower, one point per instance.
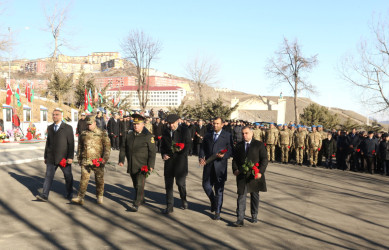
[[302, 147], [288, 146], [318, 149], [358, 150], [159, 137], [100, 159], [223, 151], [373, 152], [257, 164], [144, 169], [265, 144], [62, 163], [180, 145], [333, 155]]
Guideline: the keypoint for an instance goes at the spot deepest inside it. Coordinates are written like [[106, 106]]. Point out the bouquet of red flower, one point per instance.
[[214, 157], [250, 169], [96, 162], [318, 150], [62, 163], [145, 170], [358, 150], [373, 152], [177, 147], [32, 130], [159, 137]]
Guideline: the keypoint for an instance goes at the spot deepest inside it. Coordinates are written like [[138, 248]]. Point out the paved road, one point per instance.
[[304, 208]]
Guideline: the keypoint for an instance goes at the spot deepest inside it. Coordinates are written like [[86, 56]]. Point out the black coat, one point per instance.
[[201, 132], [370, 147], [139, 151], [157, 129], [257, 154], [81, 126], [100, 123], [113, 127], [60, 144], [177, 165], [237, 134], [354, 141], [384, 150], [328, 147]]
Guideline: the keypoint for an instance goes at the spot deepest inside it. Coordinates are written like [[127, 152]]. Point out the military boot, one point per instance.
[[99, 200], [78, 200]]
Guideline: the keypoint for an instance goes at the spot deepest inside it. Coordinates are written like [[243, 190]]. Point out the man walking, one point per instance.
[[113, 128], [59, 151], [247, 152], [215, 172], [139, 148]]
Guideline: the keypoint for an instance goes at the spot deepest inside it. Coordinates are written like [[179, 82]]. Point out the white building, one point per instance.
[[159, 96]]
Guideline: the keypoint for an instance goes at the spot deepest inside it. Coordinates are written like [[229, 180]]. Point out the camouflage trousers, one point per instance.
[[284, 153], [299, 155], [85, 176], [313, 156], [271, 149]]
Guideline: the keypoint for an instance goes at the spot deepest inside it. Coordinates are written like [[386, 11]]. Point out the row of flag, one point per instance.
[[29, 93]]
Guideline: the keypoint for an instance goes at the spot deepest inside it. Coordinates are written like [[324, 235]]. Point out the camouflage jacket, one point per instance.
[[257, 134], [314, 140], [93, 145], [271, 136], [299, 139], [284, 138]]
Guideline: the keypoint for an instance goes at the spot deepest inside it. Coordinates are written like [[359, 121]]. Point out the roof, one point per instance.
[[151, 88]]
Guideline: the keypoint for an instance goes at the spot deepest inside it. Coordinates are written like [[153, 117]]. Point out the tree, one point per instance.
[[348, 125], [315, 114], [124, 103], [83, 82], [141, 50], [289, 66], [202, 71], [59, 85], [369, 71]]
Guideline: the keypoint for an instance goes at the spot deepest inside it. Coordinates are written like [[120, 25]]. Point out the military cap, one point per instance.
[[299, 126], [172, 118], [90, 119], [256, 124], [319, 126], [285, 124], [279, 125], [313, 126], [138, 118]]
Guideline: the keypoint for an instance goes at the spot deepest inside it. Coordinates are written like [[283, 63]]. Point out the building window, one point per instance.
[[8, 115], [27, 115], [44, 115]]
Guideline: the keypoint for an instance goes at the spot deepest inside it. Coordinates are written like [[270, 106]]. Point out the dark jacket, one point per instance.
[[200, 132], [237, 134], [124, 127], [100, 123], [209, 148], [370, 147], [157, 129], [60, 144], [257, 154], [177, 165], [139, 150], [352, 141], [81, 126], [384, 150], [328, 147], [113, 127]]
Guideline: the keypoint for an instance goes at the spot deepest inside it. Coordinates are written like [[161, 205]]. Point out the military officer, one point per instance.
[[299, 140], [284, 143], [257, 132], [139, 148], [94, 148], [271, 138], [314, 146]]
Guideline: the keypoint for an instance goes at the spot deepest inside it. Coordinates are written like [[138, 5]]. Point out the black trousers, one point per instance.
[[352, 161], [50, 172], [210, 182], [138, 180], [254, 204], [370, 164], [114, 141], [181, 183]]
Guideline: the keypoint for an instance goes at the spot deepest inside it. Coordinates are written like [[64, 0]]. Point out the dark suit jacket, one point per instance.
[[209, 148], [257, 154], [177, 165], [200, 131], [59, 144], [139, 150], [113, 127]]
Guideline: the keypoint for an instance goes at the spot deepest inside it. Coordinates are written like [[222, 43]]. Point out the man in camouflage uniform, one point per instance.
[[284, 143], [299, 139], [323, 137], [257, 132], [271, 138], [292, 151], [148, 125], [314, 145], [94, 148]]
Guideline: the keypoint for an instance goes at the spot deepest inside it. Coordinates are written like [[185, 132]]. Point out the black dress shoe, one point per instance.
[[216, 216], [41, 197], [254, 220], [168, 210], [238, 223], [133, 208], [184, 204]]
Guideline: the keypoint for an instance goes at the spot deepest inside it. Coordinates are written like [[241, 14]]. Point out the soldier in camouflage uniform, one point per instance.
[[292, 151], [94, 148], [323, 137], [299, 139], [257, 133], [271, 138], [284, 143], [314, 145], [149, 125]]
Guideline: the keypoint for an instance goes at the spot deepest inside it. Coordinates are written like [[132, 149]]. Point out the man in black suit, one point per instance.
[[59, 146], [247, 151], [176, 161], [215, 172], [113, 128], [158, 128], [201, 131]]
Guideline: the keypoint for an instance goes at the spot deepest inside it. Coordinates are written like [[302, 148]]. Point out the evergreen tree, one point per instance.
[[315, 114]]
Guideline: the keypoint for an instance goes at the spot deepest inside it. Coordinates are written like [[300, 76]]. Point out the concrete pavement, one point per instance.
[[304, 208]]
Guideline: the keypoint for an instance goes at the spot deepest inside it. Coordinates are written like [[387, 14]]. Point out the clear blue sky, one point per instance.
[[239, 35]]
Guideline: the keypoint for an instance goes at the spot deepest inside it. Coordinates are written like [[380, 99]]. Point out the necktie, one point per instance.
[[215, 137], [247, 147], [55, 128]]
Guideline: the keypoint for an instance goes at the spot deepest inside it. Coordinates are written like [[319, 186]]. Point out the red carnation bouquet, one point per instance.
[[62, 163], [159, 137], [177, 147], [97, 162], [145, 170], [214, 157], [358, 150], [250, 169], [373, 152]]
